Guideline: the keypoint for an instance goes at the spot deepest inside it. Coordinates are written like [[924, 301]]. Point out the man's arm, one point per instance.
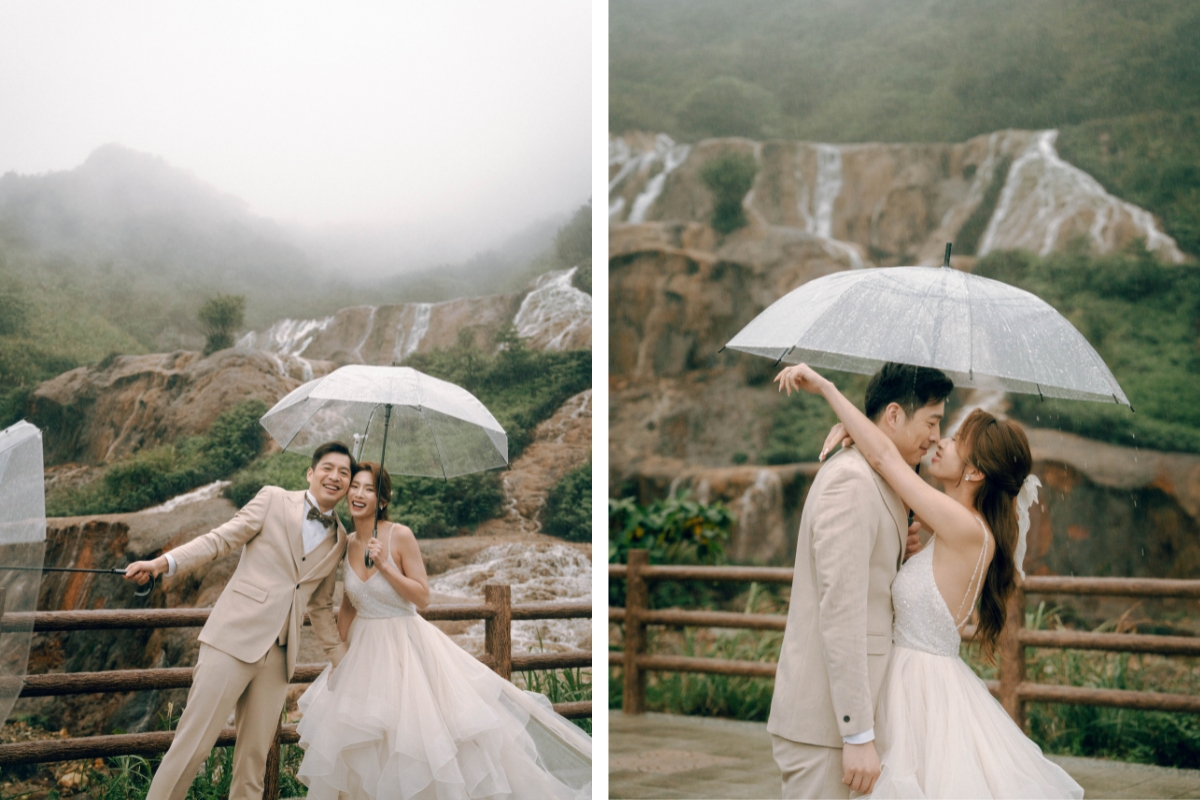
[[842, 545], [220, 541], [842, 553], [320, 614]]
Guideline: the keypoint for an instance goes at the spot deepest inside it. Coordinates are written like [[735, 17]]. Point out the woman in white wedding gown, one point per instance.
[[408, 714], [939, 732]]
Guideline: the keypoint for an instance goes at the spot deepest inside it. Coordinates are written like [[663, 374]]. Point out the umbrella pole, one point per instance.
[[387, 419]]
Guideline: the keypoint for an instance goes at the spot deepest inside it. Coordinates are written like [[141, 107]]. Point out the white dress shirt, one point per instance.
[[312, 530]]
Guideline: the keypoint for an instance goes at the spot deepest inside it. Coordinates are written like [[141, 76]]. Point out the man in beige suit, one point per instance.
[[853, 532], [292, 543]]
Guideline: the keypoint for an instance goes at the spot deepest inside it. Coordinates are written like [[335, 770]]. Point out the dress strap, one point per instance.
[[975, 585]]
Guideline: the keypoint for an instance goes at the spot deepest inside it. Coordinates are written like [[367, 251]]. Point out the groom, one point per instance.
[[838, 638], [292, 545]]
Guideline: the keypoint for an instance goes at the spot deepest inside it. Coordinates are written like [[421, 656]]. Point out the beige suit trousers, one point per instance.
[[255, 692], [809, 770]]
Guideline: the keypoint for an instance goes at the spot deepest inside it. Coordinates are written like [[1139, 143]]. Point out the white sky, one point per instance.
[[428, 119]]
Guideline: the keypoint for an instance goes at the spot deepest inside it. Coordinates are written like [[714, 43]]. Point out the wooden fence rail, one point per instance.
[[1013, 690], [496, 611]]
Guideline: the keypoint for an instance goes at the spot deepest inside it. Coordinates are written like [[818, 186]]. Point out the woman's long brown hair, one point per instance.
[[382, 483], [1000, 450]]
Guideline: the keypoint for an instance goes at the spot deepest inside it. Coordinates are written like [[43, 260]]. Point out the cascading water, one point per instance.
[[408, 339], [290, 337], [1043, 193], [817, 208], [621, 155], [537, 573], [552, 314]]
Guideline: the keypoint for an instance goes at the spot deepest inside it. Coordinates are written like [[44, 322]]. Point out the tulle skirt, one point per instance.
[[409, 715], [941, 734]]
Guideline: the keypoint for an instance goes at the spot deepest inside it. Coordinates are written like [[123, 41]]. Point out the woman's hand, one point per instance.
[[800, 377], [375, 551], [836, 434]]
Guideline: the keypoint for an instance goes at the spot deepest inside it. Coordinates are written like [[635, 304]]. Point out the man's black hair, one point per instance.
[[331, 447], [911, 387]]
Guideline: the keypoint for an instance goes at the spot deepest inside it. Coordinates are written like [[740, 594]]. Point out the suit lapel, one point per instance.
[[293, 525]]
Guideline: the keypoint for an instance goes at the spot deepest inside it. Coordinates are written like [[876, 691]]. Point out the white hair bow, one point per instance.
[[1026, 497]]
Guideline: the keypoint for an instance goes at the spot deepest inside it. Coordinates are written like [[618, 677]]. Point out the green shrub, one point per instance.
[[675, 530], [220, 317], [582, 279], [436, 508], [568, 510], [800, 423], [154, 476], [729, 177], [286, 470]]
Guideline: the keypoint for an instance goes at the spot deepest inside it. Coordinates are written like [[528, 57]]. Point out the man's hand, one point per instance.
[[143, 571], [860, 766], [913, 545]]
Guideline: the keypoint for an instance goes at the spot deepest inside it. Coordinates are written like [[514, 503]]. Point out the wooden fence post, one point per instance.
[[271, 778], [637, 600], [1012, 657], [498, 629]]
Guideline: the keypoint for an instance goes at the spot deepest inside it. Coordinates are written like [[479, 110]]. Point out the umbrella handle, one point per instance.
[[144, 591], [367, 560]]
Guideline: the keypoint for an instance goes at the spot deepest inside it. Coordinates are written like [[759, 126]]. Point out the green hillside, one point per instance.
[[895, 70]]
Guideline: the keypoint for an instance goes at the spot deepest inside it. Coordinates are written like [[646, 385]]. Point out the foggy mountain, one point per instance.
[[143, 244]]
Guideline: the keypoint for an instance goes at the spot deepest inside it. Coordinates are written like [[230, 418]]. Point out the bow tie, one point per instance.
[[327, 521]]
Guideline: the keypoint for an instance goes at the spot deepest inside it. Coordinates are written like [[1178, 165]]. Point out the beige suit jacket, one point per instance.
[[839, 627], [274, 581]]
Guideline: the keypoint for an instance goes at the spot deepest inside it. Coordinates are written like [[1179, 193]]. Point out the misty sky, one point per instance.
[[418, 122]]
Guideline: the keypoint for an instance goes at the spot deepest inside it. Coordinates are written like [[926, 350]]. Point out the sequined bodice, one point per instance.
[[923, 622], [375, 598]]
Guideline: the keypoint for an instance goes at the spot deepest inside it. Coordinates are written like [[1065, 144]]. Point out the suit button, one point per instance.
[[845, 719], [298, 586], [303, 558]]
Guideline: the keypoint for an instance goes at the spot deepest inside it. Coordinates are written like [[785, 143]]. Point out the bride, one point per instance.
[[408, 713], [940, 733]]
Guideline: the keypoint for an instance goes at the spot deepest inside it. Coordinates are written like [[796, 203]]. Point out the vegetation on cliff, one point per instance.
[[568, 510], [729, 177], [1151, 160], [1143, 318], [154, 476]]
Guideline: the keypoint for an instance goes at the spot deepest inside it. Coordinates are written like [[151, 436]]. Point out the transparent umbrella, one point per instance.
[[980, 332], [23, 545], [410, 422]]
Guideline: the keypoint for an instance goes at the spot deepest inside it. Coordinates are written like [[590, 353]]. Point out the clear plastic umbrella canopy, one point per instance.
[[434, 428], [982, 333], [22, 544]]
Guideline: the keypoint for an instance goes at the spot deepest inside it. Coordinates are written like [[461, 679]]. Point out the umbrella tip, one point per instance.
[[946, 261]]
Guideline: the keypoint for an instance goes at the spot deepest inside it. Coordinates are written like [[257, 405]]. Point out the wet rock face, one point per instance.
[[678, 296], [890, 204], [93, 415], [550, 315], [560, 444]]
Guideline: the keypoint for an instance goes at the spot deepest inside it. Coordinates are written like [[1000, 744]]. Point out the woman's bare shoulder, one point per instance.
[[401, 533]]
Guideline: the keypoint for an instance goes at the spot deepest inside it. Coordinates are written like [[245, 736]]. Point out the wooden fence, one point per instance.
[[497, 612], [1013, 689]]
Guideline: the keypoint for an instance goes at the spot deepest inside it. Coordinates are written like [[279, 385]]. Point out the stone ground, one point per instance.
[[669, 756]]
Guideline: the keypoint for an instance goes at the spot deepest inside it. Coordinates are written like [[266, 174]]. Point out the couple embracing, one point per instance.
[[871, 696], [402, 712]]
